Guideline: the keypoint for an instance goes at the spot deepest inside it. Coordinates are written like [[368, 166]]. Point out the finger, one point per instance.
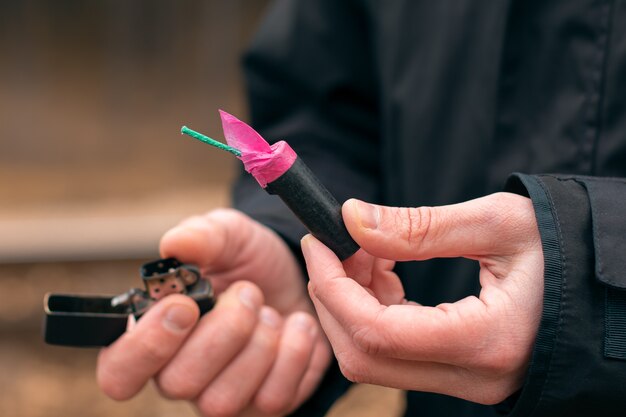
[[294, 354], [496, 224], [320, 360], [125, 366], [229, 246], [215, 240], [359, 267], [217, 339], [362, 367], [450, 333], [233, 389], [385, 284], [376, 274]]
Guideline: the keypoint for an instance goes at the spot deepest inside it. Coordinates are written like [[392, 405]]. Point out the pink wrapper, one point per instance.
[[263, 161]]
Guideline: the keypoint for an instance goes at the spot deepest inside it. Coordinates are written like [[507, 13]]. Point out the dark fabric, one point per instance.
[[414, 102], [553, 284], [609, 229], [569, 374], [615, 324]]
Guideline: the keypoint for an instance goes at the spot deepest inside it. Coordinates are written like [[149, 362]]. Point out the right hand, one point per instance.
[[259, 352]]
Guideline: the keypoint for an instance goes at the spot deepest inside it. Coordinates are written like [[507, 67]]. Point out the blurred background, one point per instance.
[[93, 170]]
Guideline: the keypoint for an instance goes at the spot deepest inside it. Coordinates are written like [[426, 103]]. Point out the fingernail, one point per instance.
[[179, 317], [269, 317], [367, 214], [248, 298], [304, 244]]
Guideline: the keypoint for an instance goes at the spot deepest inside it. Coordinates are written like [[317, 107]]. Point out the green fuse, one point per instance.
[[185, 130]]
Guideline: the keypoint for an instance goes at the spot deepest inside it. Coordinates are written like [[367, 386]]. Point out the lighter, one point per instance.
[[87, 321]]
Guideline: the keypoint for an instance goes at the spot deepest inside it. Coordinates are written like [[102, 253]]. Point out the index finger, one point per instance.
[[446, 334], [125, 366]]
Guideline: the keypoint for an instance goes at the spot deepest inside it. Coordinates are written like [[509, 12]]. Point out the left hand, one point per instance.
[[259, 352], [477, 348]]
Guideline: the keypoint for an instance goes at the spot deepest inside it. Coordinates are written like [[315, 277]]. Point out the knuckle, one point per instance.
[[504, 360], [311, 289], [365, 340], [225, 212], [229, 215], [483, 389], [415, 222], [229, 226], [115, 392], [491, 394], [232, 324], [373, 337], [265, 342], [352, 368], [112, 386], [153, 349], [174, 387], [192, 221], [275, 404], [297, 350], [236, 327], [499, 214], [218, 405], [509, 213]]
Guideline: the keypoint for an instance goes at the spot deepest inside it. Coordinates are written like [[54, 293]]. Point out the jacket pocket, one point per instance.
[[607, 197]]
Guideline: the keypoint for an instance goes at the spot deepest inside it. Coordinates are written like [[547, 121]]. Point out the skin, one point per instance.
[[477, 348], [263, 338], [259, 352]]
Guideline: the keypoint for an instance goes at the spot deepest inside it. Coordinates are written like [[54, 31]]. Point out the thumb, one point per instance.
[[498, 224], [213, 241], [229, 246]]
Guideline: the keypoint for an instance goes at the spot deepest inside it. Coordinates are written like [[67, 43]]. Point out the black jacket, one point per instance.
[[409, 103]]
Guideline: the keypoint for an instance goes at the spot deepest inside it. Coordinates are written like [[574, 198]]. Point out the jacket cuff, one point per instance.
[[571, 372]]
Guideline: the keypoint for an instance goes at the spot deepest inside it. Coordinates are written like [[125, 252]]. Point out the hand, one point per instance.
[[477, 348], [260, 351]]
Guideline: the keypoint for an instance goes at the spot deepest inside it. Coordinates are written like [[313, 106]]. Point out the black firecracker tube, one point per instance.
[[315, 206]]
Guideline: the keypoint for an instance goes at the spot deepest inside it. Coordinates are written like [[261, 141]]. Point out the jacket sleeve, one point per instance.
[[578, 366], [310, 82]]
